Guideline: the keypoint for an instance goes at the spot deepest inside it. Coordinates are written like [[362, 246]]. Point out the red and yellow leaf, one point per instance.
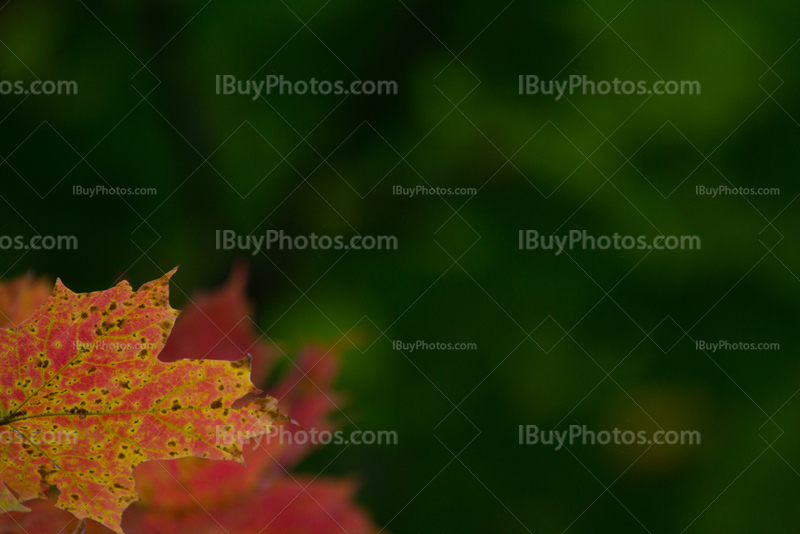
[[85, 399]]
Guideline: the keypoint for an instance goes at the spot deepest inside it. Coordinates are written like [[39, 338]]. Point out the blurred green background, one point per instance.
[[598, 338]]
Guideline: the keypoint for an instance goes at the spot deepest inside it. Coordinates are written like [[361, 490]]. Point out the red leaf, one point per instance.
[[197, 496], [85, 399]]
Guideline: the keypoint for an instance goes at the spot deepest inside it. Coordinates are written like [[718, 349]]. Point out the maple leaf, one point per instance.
[[197, 496], [85, 400]]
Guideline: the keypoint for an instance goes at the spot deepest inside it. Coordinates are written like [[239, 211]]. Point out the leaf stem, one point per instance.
[[5, 417]]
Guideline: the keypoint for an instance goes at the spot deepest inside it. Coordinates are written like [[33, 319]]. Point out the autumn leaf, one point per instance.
[[85, 400], [198, 496]]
